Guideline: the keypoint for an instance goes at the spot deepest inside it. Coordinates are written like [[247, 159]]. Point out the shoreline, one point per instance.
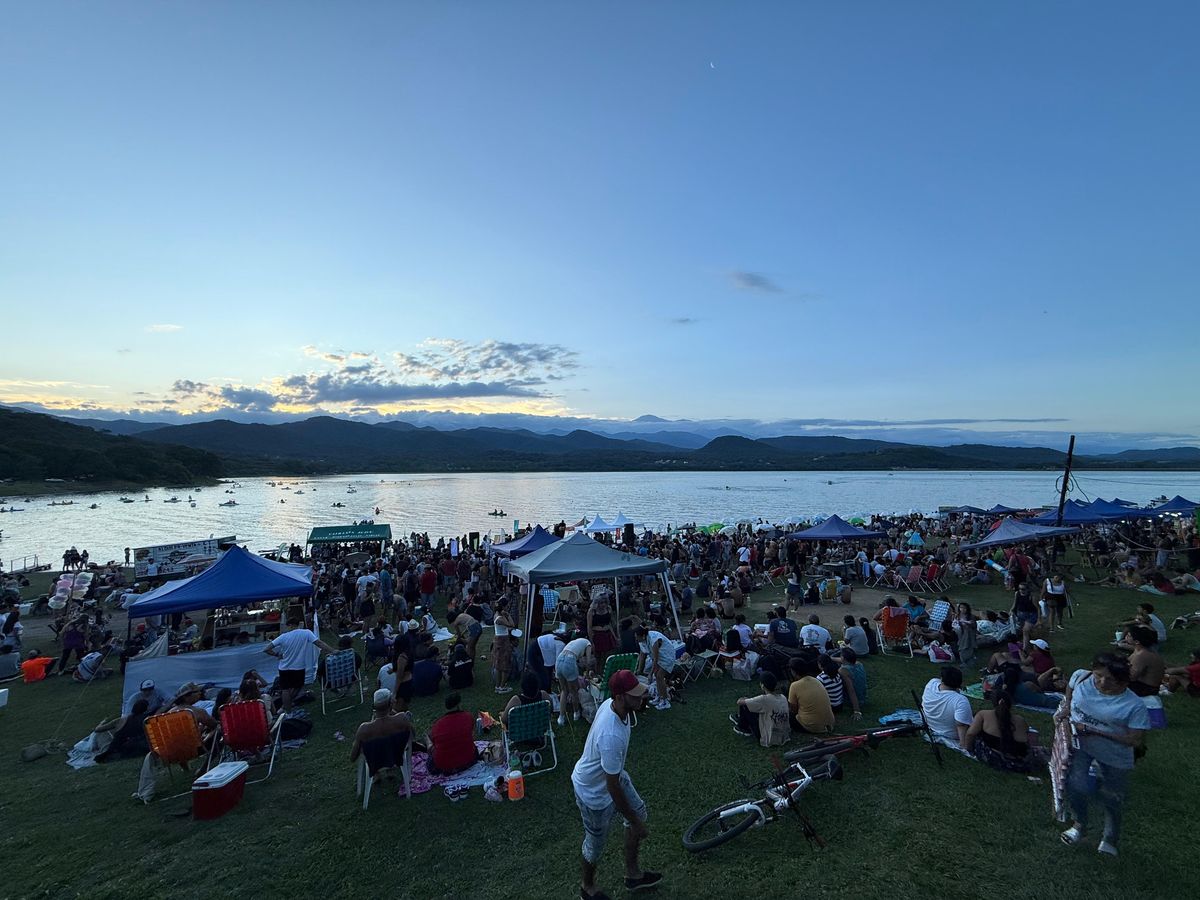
[[14, 491]]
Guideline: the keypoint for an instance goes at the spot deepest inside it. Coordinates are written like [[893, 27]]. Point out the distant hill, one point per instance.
[[326, 444], [34, 447]]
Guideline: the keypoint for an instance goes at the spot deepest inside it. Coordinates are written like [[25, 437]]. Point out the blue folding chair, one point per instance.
[[341, 675]]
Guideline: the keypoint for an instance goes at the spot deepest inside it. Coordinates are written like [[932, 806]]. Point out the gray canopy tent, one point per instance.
[[579, 558]]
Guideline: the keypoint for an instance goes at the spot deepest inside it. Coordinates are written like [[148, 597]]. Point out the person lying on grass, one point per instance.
[[764, 717]]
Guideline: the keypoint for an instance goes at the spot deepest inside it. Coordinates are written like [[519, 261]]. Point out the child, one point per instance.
[[765, 716]]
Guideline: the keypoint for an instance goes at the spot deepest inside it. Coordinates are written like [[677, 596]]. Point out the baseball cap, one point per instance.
[[148, 684], [1039, 643], [624, 681], [382, 696]]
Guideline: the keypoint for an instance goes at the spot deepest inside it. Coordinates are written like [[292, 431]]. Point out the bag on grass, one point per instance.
[[589, 701], [742, 669], [938, 653]]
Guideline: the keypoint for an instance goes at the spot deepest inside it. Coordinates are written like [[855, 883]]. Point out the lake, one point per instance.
[[445, 505]]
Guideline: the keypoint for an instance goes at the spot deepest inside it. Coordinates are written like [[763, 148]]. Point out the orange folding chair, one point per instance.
[[893, 633], [174, 738], [245, 732]]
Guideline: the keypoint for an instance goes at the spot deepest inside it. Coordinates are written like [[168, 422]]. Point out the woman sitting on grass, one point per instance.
[[1185, 678], [999, 737]]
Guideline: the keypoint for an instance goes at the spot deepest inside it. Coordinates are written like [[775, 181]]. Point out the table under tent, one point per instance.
[[579, 558], [236, 580]]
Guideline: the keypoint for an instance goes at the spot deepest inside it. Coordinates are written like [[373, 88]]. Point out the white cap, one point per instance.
[[1040, 644], [382, 696], [148, 685]]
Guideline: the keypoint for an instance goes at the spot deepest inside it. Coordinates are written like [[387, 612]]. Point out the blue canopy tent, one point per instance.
[[835, 528], [1115, 510], [1013, 531], [1176, 504], [973, 510], [535, 540], [1001, 510], [1074, 513], [237, 578]]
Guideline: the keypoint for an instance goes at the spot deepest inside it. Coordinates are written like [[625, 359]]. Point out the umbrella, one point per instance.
[[916, 540], [728, 529]]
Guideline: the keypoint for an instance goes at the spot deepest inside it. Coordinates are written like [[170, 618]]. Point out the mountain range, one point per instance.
[[35, 446]]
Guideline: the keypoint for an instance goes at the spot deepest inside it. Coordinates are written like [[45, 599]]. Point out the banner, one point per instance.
[[167, 559]]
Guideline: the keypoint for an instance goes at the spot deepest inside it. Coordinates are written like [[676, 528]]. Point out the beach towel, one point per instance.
[[1061, 752], [482, 773], [976, 692]]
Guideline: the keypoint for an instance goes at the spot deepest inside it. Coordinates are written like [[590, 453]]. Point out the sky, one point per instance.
[[872, 213]]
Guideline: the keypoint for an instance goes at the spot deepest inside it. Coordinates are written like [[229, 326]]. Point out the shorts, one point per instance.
[[598, 822], [291, 679], [404, 690], [1026, 618], [567, 667], [474, 630]]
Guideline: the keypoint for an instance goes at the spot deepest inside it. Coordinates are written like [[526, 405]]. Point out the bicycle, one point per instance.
[[818, 749], [781, 792]]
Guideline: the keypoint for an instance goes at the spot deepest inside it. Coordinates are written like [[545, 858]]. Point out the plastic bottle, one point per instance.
[[516, 784]]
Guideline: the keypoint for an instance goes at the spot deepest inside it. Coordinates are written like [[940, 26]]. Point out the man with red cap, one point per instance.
[[603, 787]]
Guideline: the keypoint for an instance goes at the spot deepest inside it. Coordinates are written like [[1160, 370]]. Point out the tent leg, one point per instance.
[[671, 600]]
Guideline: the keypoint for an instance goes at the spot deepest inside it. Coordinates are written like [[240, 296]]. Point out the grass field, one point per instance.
[[897, 826]]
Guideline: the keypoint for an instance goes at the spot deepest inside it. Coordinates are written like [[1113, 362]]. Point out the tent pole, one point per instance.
[[616, 600], [671, 600]]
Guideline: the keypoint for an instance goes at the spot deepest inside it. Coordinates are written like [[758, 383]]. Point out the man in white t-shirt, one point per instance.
[[814, 634], [947, 709], [603, 788], [292, 649]]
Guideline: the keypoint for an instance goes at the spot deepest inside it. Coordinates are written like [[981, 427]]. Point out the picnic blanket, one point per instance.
[[975, 692], [482, 773]]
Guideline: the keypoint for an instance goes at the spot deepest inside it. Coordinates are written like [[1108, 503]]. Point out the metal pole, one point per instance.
[[1062, 497]]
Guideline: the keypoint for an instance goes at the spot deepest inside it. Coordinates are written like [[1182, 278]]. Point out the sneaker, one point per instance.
[[663, 704], [734, 719], [738, 731], [575, 716], [1107, 849], [1072, 836], [561, 721], [504, 689], [599, 895], [646, 881]]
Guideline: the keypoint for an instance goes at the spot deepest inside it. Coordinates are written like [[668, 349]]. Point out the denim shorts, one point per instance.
[[598, 822], [1030, 618], [567, 667]]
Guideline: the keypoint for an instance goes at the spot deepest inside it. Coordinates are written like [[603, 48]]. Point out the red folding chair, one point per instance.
[[245, 733]]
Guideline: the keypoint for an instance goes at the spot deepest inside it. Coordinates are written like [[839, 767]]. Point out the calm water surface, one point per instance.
[[456, 504]]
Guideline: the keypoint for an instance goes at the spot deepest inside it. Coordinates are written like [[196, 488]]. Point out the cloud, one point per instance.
[[755, 281], [247, 398], [163, 329], [447, 359], [189, 388]]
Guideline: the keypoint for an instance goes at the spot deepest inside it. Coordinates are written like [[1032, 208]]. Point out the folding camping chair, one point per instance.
[[700, 664], [245, 732], [912, 580], [529, 732], [932, 579], [937, 614], [380, 757], [614, 664], [893, 631], [341, 676], [174, 738]]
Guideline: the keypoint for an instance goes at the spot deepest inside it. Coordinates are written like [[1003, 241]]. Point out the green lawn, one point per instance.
[[897, 825]]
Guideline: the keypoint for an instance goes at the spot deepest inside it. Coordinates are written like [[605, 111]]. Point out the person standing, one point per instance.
[[603, 788], [1109, 721], [291, 648]]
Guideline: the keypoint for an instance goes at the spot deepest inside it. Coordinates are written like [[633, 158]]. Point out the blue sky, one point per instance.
[[764, 211]]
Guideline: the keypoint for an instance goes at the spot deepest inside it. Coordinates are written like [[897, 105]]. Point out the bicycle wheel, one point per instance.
[[711, 830]]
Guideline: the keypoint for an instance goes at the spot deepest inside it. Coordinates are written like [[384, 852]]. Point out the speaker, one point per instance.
[[628, 537]]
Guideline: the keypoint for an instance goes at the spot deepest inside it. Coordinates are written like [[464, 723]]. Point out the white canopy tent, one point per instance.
[[598, 525], [579, 558], [621, 521]]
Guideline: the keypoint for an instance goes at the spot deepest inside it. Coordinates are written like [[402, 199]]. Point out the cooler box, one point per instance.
[[218, 790]]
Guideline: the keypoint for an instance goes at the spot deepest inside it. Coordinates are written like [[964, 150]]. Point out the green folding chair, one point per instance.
[[613, 664], [528, 733]]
